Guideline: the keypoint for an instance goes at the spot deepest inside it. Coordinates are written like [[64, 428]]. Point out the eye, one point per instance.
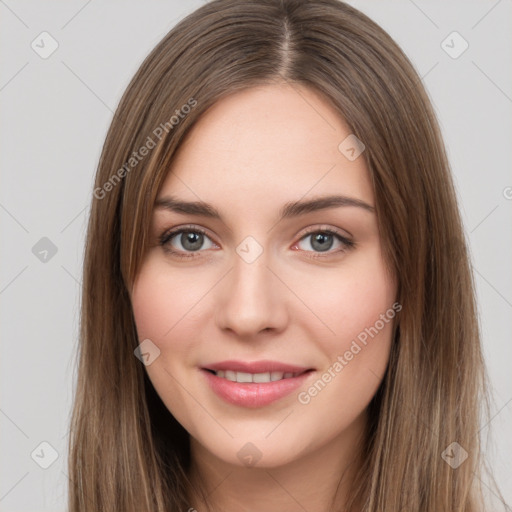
[[322, 240], [185, 240]]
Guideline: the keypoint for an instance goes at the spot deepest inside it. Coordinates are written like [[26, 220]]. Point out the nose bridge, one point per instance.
[[251, 299]]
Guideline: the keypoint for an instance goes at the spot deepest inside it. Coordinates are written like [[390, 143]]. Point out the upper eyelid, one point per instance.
[[322, 228], [171, 232], [305, 231]]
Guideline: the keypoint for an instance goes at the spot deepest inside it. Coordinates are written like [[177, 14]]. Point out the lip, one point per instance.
[[252, 394]]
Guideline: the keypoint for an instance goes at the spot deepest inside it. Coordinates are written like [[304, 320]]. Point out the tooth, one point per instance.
[[243, 377], [230, 375], [261, 377]]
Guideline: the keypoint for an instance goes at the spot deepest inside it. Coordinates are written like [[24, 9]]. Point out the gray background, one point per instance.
[[56, 112]]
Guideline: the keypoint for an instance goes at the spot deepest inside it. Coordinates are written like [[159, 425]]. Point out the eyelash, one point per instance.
[[168, 235]]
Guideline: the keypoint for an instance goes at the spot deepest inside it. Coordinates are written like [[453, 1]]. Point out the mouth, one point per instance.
[[254, 384]]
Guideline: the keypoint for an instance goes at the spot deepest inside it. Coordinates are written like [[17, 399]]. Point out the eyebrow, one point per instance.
[[289, 210]]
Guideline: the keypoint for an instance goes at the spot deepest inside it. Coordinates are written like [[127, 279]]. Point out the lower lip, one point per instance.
[[252, 394]]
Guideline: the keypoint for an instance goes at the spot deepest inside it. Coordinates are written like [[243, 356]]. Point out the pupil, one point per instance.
[[323, 240]]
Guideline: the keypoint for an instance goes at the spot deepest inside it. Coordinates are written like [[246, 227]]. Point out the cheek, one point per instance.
[[357, 307], [155, 303], [166, 304], [360, 308], [164, 307], [151, 310]]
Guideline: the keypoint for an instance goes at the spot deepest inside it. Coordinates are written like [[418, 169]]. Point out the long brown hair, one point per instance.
[[126, 451]]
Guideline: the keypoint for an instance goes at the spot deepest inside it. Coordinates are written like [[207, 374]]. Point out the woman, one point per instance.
[[278, 311]]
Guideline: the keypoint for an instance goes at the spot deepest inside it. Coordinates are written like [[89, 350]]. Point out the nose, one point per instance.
[[251, 299]]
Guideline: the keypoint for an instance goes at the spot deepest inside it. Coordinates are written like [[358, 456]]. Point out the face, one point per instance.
[[251, 290]]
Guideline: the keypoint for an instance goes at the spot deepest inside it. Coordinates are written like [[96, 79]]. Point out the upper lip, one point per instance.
[[256, 367]]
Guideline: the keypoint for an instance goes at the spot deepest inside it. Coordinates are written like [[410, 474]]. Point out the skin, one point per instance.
[[248, 155]]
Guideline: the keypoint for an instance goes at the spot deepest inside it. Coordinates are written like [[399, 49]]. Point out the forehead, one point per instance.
[[264, 146]]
